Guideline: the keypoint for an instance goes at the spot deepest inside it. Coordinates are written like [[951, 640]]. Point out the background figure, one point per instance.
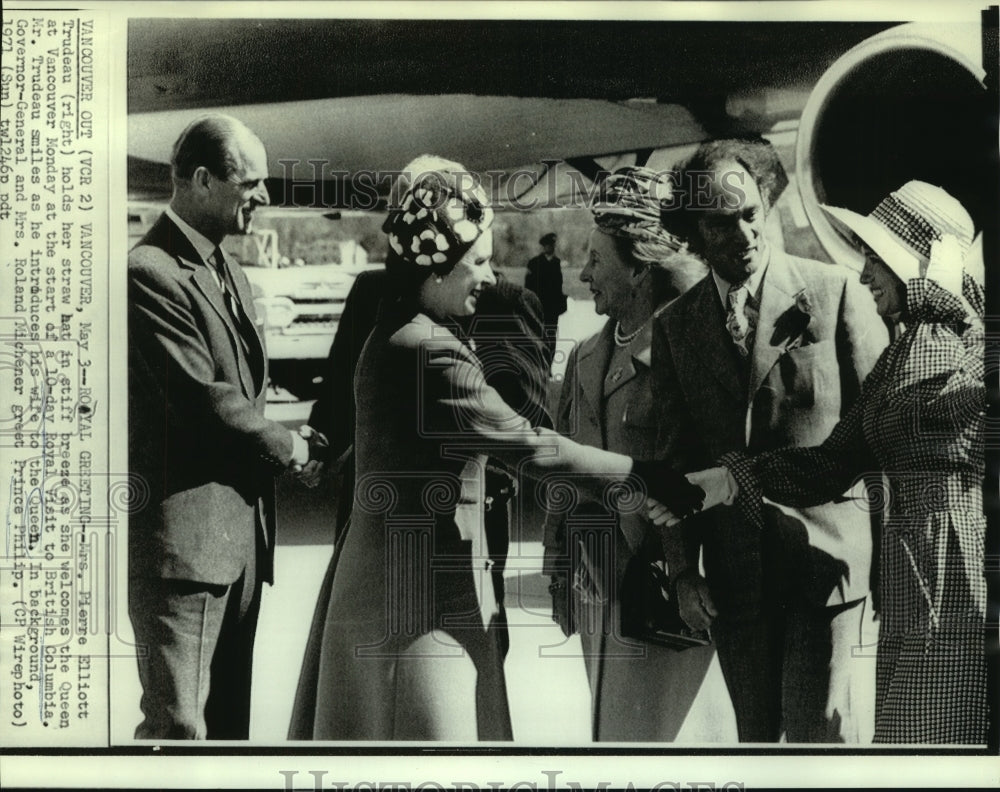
[[768, 351], [921, 419], [507, 332], [639, 691], [544, 278], [202, 545]]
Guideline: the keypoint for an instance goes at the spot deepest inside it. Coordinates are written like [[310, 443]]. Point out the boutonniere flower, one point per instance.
[[803, 304], [790, 328]]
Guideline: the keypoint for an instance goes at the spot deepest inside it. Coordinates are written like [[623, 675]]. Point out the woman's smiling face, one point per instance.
[[888, 290], [458, 292], [608, 276]]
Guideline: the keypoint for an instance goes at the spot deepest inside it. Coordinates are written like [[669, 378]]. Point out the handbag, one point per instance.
[[649, 610]]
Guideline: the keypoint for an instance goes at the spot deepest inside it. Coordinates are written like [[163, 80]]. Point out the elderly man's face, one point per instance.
[[232, 201], [731, 228]]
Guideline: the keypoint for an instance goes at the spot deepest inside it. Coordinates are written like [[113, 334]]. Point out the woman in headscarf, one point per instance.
[[920, 420], [409, 647], [640, 691]]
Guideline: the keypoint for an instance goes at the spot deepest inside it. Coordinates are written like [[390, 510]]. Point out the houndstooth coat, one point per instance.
[[920, 420]]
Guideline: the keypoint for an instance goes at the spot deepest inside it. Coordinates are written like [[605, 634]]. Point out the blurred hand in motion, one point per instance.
[[694, 602], [660, 514], [717, 484], [311, 473]]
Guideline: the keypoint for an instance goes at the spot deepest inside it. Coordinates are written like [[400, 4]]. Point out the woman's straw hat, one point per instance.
[[905, 224]]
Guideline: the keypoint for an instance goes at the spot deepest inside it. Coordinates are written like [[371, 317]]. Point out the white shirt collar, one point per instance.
[[752, 283], [202, 245]]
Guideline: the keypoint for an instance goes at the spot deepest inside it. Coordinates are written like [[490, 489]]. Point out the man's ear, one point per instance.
[[201, 177]]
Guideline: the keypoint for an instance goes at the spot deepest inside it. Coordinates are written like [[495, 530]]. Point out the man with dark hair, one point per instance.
[[202, 543], [769, 350], [544, 278]]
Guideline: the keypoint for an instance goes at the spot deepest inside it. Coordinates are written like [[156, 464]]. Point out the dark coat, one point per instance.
[[199, 445], [545, 279], [507, 332]]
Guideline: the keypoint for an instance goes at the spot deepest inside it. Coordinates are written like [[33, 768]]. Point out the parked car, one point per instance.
[[300, 308]]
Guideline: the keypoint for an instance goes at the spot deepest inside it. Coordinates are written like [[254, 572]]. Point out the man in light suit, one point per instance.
[[202, 543], [769, 350]]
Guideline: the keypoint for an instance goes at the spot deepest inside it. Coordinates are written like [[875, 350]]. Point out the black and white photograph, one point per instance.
[[487, 384]]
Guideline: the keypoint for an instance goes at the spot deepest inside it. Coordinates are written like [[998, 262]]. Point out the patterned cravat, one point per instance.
[[741, 318]]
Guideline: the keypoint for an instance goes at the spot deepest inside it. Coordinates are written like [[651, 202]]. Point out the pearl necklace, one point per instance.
[[624, 340]]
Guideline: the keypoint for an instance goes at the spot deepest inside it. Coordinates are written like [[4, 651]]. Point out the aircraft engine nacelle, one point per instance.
[[908, 103]]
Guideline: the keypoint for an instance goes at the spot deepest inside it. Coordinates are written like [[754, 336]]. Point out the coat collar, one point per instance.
[[433, 329], [203, 246], [592, 362]]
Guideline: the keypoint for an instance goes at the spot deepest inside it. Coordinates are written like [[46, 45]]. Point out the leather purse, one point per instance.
[[649, 609]]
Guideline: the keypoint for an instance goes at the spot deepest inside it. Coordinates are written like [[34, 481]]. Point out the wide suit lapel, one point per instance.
[[706, 342], [205, 282], [640, 353], [775, 335], [638, 350]]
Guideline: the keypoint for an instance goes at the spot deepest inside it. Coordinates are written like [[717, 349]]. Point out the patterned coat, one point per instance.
[[919, 419]]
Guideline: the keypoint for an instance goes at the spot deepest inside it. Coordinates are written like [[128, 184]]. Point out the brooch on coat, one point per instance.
[[791, 329]]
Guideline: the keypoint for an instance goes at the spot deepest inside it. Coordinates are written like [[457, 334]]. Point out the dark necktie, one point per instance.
[[236, 312]]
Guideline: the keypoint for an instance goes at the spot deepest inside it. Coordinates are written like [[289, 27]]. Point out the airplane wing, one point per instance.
[[527, 99]]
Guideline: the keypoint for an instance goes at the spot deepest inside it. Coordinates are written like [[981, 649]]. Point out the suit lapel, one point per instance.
[[167, 236], [706, 340], [592, 362], [639, 351], [209, 287], [256, 351], [782, 282]]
